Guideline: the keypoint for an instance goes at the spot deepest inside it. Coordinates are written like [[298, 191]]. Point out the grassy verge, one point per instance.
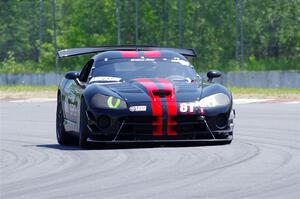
[[24, 88], [269, 91], [272, 93], [24, 92], [20, 91]]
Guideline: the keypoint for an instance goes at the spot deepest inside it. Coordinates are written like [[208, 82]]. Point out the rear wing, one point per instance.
[[88, 50]]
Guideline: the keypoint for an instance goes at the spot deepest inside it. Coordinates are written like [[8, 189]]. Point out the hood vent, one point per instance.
[[162, 93], [125, 88], [184, 88]]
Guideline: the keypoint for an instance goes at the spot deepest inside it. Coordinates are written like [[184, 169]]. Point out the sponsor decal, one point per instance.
[[105, 79], [142, 59], [138, 108]]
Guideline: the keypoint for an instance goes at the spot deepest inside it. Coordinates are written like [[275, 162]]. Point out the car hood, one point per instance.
[[147, 90]]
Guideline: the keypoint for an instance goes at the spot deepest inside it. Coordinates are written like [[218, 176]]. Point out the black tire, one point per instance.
[[83, 129], [63, 137]]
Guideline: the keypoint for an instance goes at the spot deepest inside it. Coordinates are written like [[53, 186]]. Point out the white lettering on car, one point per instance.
[[189, 107], [105, 79], [137, 108]]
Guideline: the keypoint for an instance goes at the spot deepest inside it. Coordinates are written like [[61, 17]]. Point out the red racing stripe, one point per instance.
[[151, 54], [171, 104], [129, 54], [155, 104]]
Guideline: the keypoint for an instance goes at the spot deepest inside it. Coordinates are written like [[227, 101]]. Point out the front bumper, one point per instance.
[[189, 141], [138, 127]]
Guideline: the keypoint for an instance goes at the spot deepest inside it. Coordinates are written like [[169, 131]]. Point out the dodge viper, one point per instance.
[[141, 94]]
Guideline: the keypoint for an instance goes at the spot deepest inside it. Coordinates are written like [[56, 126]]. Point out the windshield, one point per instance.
[[127, 69]]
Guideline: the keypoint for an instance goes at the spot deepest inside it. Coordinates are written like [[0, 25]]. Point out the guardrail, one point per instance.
[[265, 79], [31, 79]]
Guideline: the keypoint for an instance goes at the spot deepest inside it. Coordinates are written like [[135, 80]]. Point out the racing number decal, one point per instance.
[[186, 107], [183, 107], [190, 108]]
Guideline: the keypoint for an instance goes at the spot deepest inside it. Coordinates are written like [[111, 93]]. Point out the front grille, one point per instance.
[[145, 125], [140, 120], [183, 119], [185, 124], [139, 124], [142, 127]]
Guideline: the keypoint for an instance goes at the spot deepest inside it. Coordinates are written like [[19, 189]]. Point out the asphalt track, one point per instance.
[[263, 161]]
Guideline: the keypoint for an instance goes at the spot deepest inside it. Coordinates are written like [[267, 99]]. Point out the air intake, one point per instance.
[[161, 93]]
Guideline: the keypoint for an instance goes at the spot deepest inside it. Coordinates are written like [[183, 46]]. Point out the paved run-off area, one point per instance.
[[263, 161]]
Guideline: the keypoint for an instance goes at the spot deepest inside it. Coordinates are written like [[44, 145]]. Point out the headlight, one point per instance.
[[108, 102], [214, 100]]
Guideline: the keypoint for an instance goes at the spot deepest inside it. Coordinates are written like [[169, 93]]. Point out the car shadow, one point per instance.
[[59, 147], [93, 147], [116, 146]]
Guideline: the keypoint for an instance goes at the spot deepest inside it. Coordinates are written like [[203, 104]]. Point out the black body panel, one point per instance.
[[156, 109]]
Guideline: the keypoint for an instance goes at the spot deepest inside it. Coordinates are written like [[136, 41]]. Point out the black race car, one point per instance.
[[141, 94]]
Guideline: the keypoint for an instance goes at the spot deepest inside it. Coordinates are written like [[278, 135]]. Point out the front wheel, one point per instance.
[[62, 136], [83, 129]]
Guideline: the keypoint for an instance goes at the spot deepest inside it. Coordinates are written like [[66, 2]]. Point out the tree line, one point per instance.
[[228, 35]]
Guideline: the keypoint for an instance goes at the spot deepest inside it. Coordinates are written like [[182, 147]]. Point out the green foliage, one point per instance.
[[271, 31], [10, 65]]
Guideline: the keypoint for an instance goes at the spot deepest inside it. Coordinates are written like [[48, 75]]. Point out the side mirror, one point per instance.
[[72, 75], [213, 74]]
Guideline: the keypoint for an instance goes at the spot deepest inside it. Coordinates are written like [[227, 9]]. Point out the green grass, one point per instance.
[[20, 88], [265, 91], [234, 90]]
